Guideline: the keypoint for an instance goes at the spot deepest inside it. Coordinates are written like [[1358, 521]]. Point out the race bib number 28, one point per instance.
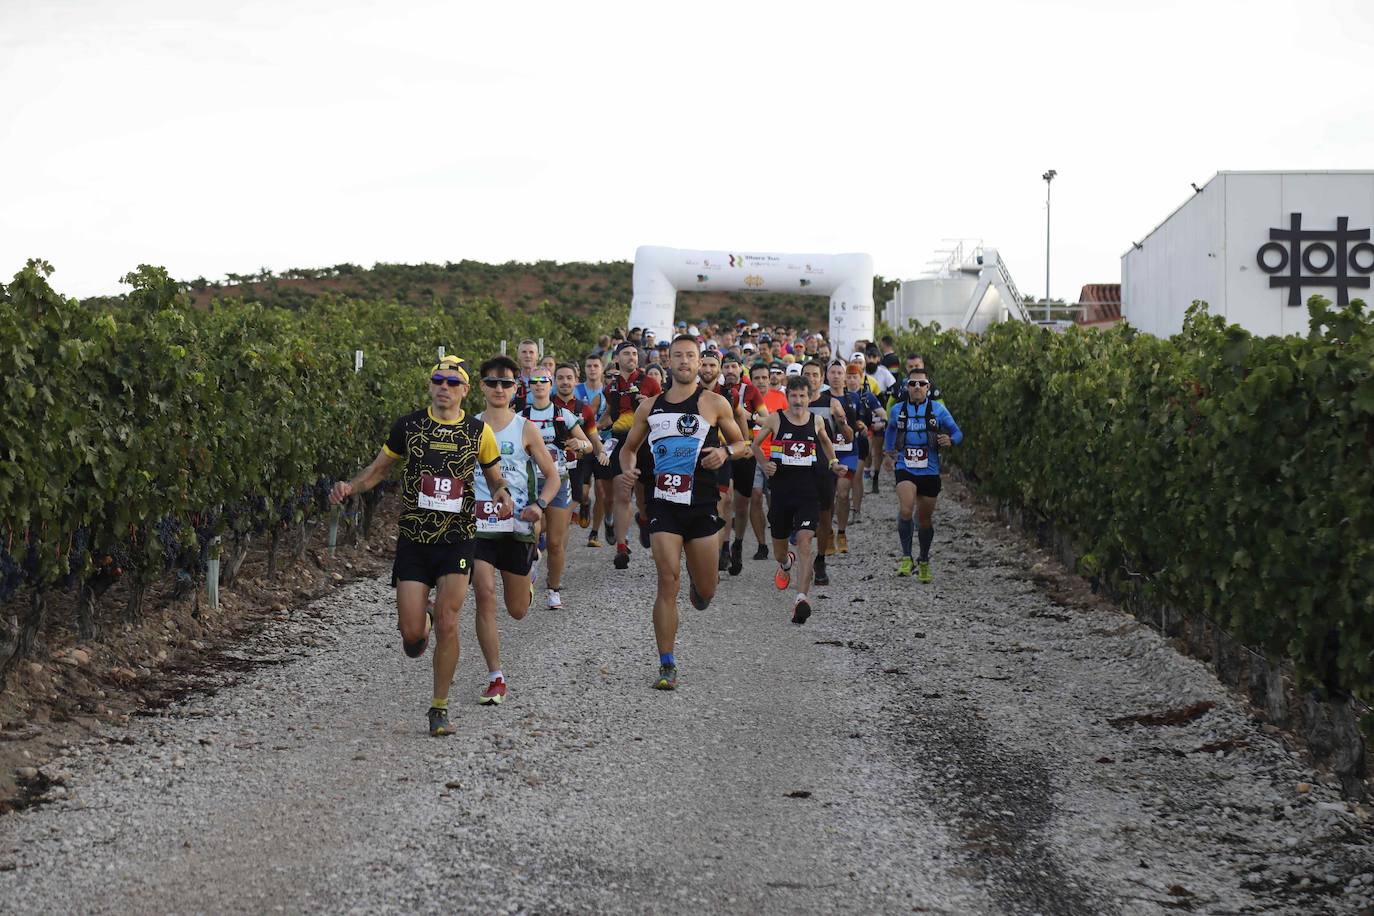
[[673, 487], [440, 494]]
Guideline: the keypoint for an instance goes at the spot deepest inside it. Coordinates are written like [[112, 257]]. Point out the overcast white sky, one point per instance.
[[215, 137]]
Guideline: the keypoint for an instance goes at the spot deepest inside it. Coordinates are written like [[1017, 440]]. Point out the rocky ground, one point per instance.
[[997, 742]]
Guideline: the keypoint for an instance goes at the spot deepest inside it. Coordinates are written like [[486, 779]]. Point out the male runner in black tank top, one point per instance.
[[683, 426], [799, 441]]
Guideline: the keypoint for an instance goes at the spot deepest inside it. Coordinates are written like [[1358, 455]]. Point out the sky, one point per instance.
[[224, 137]]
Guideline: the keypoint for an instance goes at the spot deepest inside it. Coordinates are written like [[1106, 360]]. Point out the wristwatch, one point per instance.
[[542, 503]]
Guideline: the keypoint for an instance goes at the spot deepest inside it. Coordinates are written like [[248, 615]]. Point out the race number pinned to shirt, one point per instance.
[[440, 494], [490, 520], [917, 456], [798, 453], [842, 444], [673, 487]]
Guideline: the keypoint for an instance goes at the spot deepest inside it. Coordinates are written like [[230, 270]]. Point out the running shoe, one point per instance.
[[643, 530], [855, 517], [723, 561], [801, 610], [554, 600], [822, 577], [584, 515], [593, 540], [761, 553], [923, 571], [783, 577], [667, 678], [736, 558], [494, 694], [841, 543], [904, 566], [622, 556], [438, 722], [610, 531], [698, 602]]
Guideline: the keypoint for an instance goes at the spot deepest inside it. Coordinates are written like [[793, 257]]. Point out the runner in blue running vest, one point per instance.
[[684, 428], [917, 428]]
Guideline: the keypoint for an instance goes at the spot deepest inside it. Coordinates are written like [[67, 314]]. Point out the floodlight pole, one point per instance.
[[1048, 176]]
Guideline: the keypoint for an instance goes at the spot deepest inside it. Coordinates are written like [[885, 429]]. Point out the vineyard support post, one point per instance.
[[334, 529], [503, 348], [357, 361], [541, 348], [212, 573]]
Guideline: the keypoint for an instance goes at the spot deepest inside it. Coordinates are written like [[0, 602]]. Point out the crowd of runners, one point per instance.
[[694, 442]]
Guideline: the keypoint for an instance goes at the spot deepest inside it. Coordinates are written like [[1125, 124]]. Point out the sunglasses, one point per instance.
[[452, 381], [540, 380], [499, 382], [918, 383]]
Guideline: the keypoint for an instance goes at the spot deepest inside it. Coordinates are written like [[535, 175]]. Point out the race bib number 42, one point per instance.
[[798, 454], [440, 494], [673, 487], [917, 456]]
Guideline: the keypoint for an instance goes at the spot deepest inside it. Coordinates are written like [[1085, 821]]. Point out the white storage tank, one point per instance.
[[1254, 246], [929, 299]]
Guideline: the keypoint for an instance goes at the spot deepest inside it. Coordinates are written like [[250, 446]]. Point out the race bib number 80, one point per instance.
[[440, 494], [489, 518]]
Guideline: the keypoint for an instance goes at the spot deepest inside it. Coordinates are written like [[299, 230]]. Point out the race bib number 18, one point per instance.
[[917, 457], [440, 494]]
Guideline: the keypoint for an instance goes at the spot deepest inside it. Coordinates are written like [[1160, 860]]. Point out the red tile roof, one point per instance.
[[1102, 304]]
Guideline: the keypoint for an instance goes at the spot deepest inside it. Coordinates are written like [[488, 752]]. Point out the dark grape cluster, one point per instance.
[[11, 577], [168, 532]]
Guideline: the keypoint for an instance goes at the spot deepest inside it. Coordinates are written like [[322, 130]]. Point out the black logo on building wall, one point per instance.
[[1295, 248]]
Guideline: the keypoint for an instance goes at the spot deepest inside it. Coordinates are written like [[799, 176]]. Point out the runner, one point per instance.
[[827, 407], [846, 449], [750, 410], [579, 471], [624, 393], [562, 435], [682, 428], [708, 374], [441, 448], [795, 435], [916, 429], [593, 393], [872, 421], [505, 537], [527, 352]]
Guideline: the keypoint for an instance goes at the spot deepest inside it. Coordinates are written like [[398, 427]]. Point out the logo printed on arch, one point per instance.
[[688, 424]]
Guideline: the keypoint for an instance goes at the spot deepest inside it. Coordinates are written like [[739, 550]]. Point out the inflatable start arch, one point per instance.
[[846, 278]]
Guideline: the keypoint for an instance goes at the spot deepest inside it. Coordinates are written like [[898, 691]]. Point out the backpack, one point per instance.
[[560, 426]]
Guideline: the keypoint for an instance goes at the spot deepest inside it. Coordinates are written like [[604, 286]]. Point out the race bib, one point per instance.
[[801, 453], [841, 445], [489, 518], [610, 443], [440, 494], [675, 488], [560, 461], [917, 456]]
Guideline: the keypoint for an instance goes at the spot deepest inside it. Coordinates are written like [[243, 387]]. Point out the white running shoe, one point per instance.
[[555, 600]]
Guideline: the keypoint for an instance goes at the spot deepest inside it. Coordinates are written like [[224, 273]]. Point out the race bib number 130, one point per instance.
[[440, 494], [917, 457]]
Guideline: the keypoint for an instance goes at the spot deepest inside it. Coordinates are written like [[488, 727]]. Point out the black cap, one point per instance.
[[627, 345], [777, 364]]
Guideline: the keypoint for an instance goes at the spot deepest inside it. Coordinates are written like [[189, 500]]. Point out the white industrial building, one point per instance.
[[1254, 246], [969, 289]]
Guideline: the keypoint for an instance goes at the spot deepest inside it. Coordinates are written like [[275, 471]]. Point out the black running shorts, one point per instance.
[[506, 554], [743, 475], [791, 511], [825, 484], [688, 522], [926, 484], [427, 563]]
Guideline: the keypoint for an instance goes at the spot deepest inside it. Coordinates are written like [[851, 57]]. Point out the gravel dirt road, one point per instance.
[[945, 748]]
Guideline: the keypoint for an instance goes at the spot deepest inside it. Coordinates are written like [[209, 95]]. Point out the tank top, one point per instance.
[[821, 408], [518, 470], [797, 454], [553, 423], [677, 435]]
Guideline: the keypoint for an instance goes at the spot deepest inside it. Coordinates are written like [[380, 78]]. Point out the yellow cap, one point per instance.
[[451, 364]]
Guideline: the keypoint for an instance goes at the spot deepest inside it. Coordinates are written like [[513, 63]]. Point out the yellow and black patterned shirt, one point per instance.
[[441, 458]]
